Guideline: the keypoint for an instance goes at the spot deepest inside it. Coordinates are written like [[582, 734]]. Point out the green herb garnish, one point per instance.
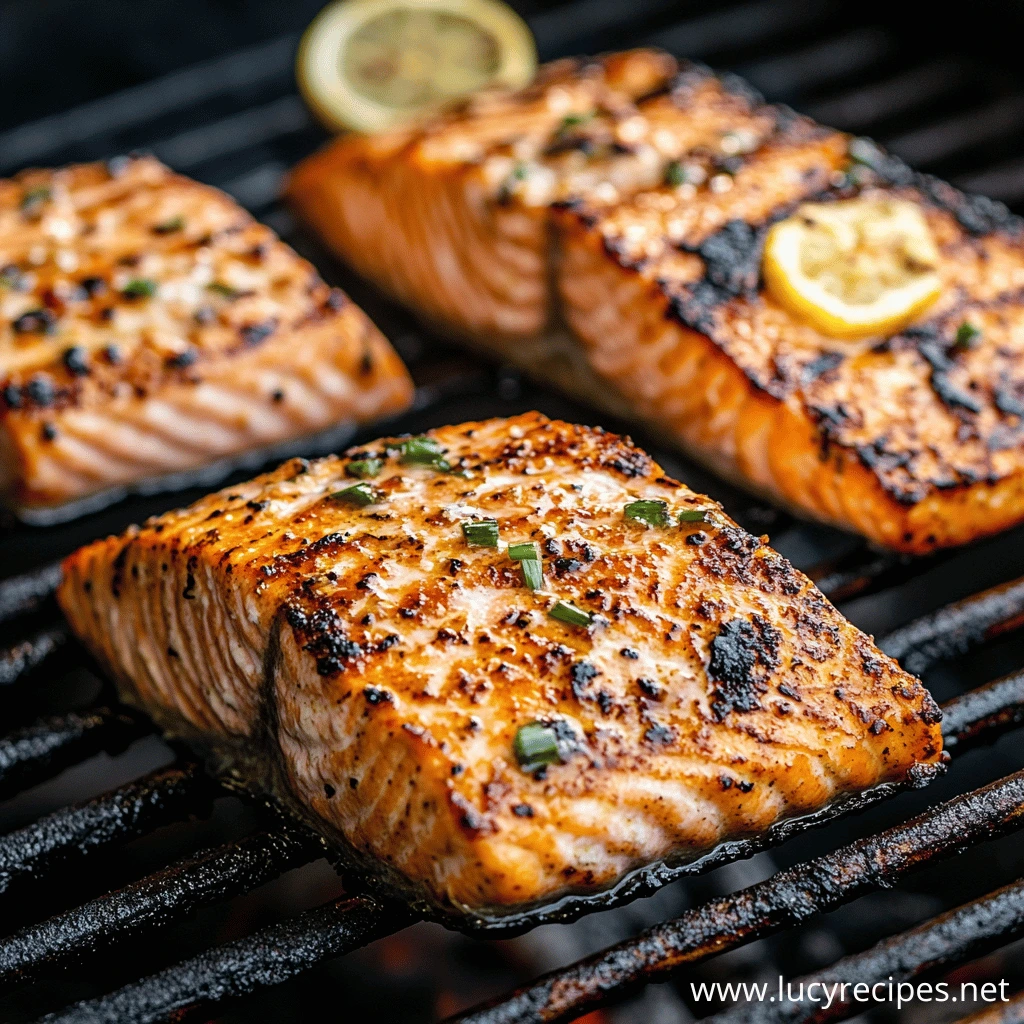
[[575, 120], [358, 494], [219, 288], [365, 469], [168, 227], [565, 612], [967, 336], [694, 515], [34, 198], [533, 573], [653, 512], [140, 288], [675, 174], [524, 552], [423, 451], [481, 533], [536, 746]]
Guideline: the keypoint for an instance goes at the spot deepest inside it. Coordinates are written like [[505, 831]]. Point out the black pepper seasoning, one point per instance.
[[76, 360]]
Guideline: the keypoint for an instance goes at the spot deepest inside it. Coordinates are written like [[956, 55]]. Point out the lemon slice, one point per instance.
[[373, 64], [854, 268]]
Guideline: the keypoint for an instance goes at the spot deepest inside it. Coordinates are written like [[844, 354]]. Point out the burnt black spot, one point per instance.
[[732, 257], [659, 733], [48, 432], [183, 359], [522, 811], [937, 356], [76, 361], [375, 695], [820, 365], [93, 286], [36, 321], [582, 673], [40, 391], [12, 396], [329, 790], [742, 656], [256, 334], [744, 787], [628, 652], [323, 635], [1007, 401], [649, 687], [567, 565]]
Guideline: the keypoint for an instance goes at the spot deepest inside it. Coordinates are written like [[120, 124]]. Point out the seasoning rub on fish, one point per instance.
[[150, 328], [499, 663], [629, 198]]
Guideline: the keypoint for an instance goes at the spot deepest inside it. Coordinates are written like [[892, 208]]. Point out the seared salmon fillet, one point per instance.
[[362, 637], [150, 327], [908, 437]]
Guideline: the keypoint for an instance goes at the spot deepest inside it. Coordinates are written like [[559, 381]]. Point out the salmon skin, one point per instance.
[[604, 229], [356, 637], [152, 331]]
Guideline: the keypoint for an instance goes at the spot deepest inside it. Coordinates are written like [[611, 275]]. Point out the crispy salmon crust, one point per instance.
[[149, 326], [370, 668], [640, 226]]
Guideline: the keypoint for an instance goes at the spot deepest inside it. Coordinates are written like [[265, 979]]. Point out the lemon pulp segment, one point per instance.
[[855, 267]]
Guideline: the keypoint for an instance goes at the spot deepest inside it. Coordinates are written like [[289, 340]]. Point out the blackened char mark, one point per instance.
[[732, 257], [935, 353], [820, 365], [323, 635], [743, 655]]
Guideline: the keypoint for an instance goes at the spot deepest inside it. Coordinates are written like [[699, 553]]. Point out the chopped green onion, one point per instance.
[[365, 469], [140, 288], [533, 573], [536, 746], [675, 173], [168, 226], [223, 289], [653, 512], [694, 515], [423, 451], [34, 197], [358, 494], [565, 612], [966, 336], [481, 533], [523, 552], [575, 120], [520, 170]]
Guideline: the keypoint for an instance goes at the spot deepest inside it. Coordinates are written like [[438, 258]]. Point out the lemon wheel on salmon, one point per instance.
[[370, 65], [854, 268]]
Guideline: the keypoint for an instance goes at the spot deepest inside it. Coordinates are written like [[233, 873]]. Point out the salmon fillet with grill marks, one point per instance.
[[150, 327], [372, 669], [912, 440]]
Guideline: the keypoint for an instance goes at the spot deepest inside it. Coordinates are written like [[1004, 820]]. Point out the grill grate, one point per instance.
[[236, 122]]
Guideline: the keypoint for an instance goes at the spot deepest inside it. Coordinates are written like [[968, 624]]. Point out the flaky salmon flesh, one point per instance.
[[604, 229], [149, 328], [361, 637]]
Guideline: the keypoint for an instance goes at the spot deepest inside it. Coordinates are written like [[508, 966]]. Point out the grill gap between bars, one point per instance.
[[275, 123]]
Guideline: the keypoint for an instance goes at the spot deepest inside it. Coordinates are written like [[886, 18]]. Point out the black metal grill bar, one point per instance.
[[23, 657], [864, 571], [983, 714], [158, 900], [73, 833], [951, 938], [782, 901], [45, 748], [20, 595], [267, 957], [955, 628]]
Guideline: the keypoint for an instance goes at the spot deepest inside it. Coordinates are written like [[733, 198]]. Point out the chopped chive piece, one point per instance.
[[694, 515], [423, 451], [34, 197], [520, 170], [167, 227], [365, 469], [675, 173], [533, 573], [536, 746], [140, 288], [565, 612], [966, 336], [653, 512], [358, 494], [481, 533], [575, 120], [219, 288], [524, 552]]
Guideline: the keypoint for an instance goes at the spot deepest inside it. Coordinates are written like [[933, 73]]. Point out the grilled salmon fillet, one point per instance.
[[368, 652], [631, 204], [150, 327]]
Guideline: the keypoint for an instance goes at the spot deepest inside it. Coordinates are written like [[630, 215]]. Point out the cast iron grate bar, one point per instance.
[[45, 748], [21, 658], [22, 594], [73, 833], [157, 901], [962, 934]]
